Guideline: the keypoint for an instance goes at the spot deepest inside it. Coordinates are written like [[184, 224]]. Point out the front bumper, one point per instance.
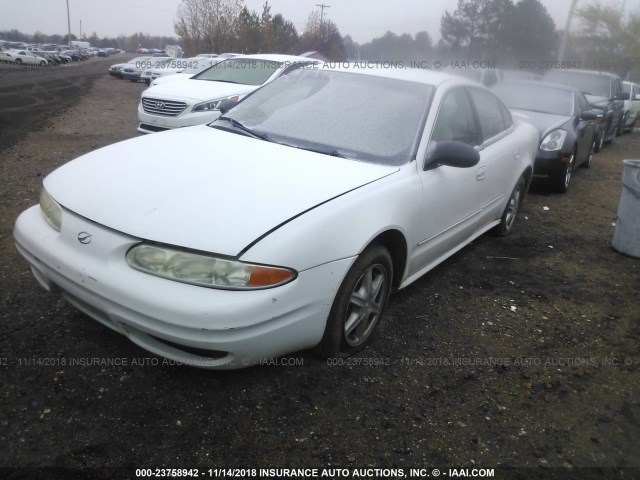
[[550, 164], [203, 327]]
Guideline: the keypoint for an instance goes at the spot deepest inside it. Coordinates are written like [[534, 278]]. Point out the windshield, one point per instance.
[[363, 117], [245, 71], [626, 88], [588, 83], [536, 98], [199, 64]]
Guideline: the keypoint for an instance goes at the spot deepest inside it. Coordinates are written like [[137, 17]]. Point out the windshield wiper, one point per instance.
[[331, 153], [247, 130]]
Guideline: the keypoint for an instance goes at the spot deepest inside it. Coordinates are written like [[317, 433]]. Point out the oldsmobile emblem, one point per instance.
[[84, 238]]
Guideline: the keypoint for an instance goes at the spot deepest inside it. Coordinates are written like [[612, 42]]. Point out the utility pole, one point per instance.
[[69, 22], [322, 7], [565, 34]]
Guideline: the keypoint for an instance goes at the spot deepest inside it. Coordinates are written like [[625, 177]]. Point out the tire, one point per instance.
[[624, 129], [587, 163], [620, 126], [18, 61], [508, 219], [358, 305], [599, 143], [561, 183], [43, 63]]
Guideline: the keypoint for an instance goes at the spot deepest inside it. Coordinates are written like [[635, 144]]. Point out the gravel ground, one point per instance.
[[519, 352]]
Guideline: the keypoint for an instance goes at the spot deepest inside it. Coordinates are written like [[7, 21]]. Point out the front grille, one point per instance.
[[165, 108]]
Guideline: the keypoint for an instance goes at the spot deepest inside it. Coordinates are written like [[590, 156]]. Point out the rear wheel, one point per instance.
[[18, 61], [508, 220], [359, 304]]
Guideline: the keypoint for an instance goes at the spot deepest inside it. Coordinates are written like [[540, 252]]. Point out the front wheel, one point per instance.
[[562, 181], [620, 126], [508, 220], [359, 304], [587, 163], [18, 61], [599, 142]]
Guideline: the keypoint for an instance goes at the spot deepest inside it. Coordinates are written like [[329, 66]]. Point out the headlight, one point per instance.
[[212, 104], [205, 270], [51, 211], [553, 141]]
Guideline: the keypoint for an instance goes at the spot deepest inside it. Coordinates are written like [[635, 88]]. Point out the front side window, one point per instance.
[[455, 119]]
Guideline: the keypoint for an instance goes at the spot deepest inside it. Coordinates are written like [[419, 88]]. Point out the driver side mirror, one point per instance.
[[588, 115], [452, 154], [623, 96]]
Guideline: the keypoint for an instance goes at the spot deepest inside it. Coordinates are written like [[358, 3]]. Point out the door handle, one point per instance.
[[481, 173]]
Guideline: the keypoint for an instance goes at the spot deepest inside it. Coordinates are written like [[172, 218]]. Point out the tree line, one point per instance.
[[505, 32]]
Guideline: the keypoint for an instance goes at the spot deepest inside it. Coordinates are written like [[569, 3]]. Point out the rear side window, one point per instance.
[[492, 114]]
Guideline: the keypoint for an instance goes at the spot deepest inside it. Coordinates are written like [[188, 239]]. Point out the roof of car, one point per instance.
[[578, 71], [272, 57], [400, 72], [536, 83]]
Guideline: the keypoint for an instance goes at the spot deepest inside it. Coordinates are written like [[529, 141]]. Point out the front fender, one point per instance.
[[344, 226]]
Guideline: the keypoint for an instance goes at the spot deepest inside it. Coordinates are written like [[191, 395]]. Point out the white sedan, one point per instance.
[[286, 223], [195, 100], [22, 57]]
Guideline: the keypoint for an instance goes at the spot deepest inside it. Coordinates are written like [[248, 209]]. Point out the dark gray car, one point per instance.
[[603, 91]]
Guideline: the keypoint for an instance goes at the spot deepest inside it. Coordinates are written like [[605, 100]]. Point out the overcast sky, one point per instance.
[[362, 19]]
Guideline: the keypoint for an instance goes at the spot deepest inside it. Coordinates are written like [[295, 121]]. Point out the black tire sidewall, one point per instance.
[[502, 229], [333, 343]]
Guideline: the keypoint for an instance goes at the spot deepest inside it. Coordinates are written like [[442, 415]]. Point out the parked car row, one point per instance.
[[22, 57], [43, 58], [576, 113]]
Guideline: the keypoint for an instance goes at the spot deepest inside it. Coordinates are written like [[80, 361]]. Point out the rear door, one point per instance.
[[497, 171]]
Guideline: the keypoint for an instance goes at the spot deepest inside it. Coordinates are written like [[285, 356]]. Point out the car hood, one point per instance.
[[544, 122], [198, 90], [170, 78], [202, 188], [596, 101]]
